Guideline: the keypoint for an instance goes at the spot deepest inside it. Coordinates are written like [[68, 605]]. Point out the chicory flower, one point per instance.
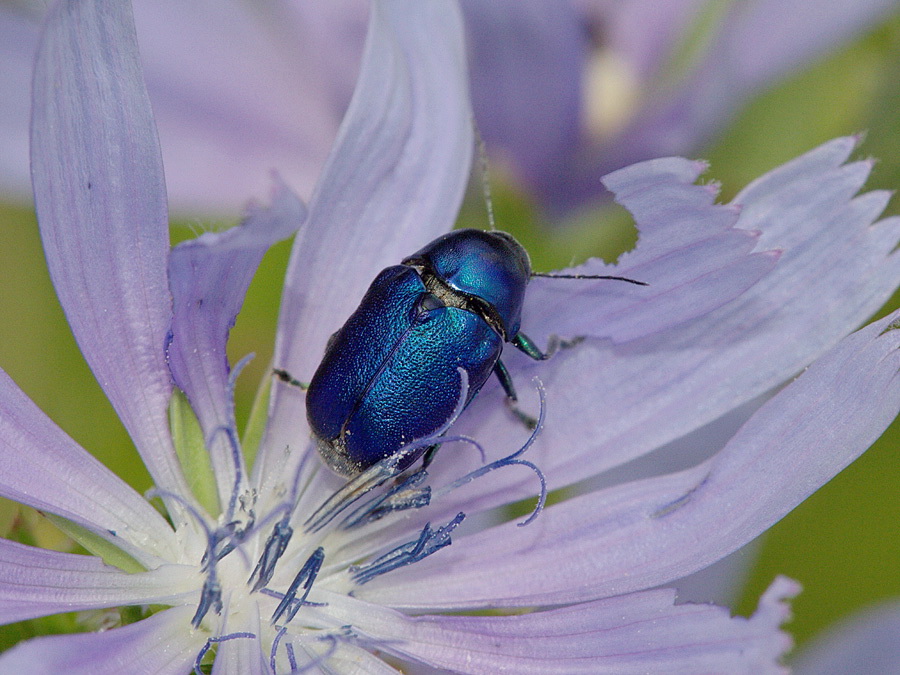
[[248, 567]]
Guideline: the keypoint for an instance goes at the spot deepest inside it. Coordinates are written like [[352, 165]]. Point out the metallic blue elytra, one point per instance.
[[390, 374]]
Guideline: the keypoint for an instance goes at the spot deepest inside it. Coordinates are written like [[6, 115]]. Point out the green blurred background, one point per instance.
[[842, 544]]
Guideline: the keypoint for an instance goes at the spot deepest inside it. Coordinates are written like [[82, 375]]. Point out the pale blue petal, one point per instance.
[[642, 534], [527, 59], [42, 467], [393, 182], [637, 633], [160, 645], [758, 43], [240, 89], [690, 252], [865, 643], [242, 655], [35, 582], [209, 277], [608, 404], [101, 205], [18, 45]]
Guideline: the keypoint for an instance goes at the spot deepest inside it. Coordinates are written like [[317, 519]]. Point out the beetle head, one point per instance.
[[491, 269]]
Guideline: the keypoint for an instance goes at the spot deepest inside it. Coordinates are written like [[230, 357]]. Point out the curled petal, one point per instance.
[[209, 277], [159, 645], [650, 532], [101, 204]]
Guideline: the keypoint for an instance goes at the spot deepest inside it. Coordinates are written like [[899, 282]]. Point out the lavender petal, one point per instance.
[[42, 467], [209, 277], [690, 252], [635, 633], [650, 532], [158, 645], [608, 404], [35, 582], [239, 90], [864, 643], [101, 205]]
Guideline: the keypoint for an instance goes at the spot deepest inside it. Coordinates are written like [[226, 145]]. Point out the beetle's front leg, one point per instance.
[[511, 399]]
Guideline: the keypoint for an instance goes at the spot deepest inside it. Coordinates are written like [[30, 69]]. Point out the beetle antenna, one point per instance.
[[485, 175], [550, 275]]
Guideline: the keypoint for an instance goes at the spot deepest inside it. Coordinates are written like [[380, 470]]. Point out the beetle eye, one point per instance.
[[429, 302]]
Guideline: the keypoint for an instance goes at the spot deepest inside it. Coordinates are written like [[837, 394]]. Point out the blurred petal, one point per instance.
[[237, 91], [35, 582], [645, 33], [607, 404], [763, 40], [101, 205], [240, 89], [158, 645], [209, 277], [757, 43], [18, 45], [527, 59], [643, 534], [637, 633], [393, 182], [42, 467], [864, 643]]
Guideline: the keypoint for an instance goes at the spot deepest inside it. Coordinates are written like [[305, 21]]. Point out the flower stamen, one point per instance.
[[275, 547], [306, 576], [429, 541], [511, 460]]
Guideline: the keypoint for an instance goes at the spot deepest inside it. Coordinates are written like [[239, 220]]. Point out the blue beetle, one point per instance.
[[390, 373]]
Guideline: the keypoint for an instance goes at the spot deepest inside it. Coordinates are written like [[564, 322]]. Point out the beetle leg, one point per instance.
[[286, 377], [511, 399], [525, 345], [506, 381]]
